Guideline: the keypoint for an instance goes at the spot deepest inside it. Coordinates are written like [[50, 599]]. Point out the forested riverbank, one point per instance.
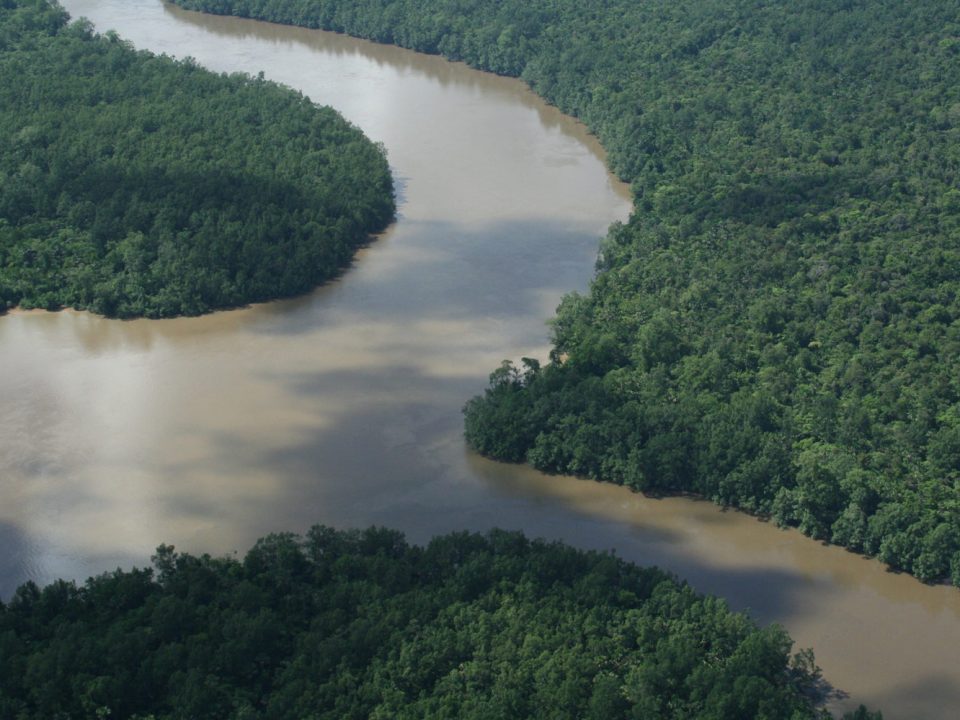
[[777, 327], [361, 624], [134, 185]]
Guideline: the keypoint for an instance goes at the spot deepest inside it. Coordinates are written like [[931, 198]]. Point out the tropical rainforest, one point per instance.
[[360, 624], [133, 185], [777, 326]]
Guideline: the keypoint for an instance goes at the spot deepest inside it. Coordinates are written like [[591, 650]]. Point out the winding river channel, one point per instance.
[[343, 407]]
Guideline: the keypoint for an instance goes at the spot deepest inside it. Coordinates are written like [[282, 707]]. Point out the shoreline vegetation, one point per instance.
[[134, 185], [777, 326], [361, 624]]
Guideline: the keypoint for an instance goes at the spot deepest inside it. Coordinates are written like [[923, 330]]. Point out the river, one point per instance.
[[343, 406]]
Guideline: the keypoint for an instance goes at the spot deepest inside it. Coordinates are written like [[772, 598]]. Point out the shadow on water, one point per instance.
[[365, 464], [23, 557], [919, 699], [449, 272], [17, 549], [382, 490], [434, 270]]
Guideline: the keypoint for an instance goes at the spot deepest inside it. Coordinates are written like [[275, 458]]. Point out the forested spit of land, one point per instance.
[[360, 624], [131, 184], [777, 327]]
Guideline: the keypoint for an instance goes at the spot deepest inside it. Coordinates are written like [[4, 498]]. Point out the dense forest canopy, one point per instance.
[[777, 326], [131, 184], [360, 624]]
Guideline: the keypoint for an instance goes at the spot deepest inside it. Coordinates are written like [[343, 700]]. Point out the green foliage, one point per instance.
[[131, 184], [360, 624], [777, 326]]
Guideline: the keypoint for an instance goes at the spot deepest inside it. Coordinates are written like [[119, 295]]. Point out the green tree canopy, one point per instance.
[[131, 184], [359, 624]]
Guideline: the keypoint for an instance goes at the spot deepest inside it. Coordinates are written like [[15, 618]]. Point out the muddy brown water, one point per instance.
[[343, 406]]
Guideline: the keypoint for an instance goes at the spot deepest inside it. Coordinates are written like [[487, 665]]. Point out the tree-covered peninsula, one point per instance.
[[777, 327], [360, 624], [133, 185]]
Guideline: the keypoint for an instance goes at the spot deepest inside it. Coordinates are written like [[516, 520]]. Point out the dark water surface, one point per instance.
[[343, 407]]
